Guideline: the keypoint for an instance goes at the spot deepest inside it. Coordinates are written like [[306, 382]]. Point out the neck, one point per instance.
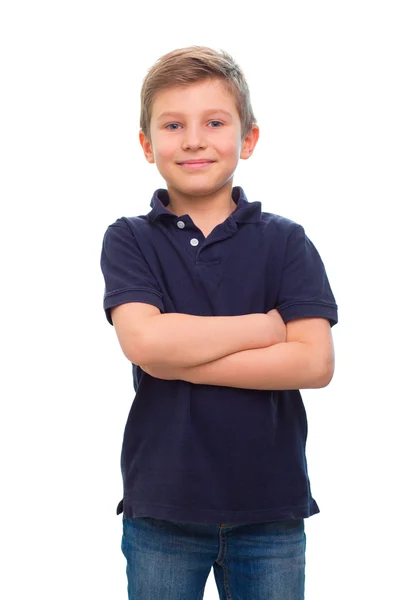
[[206, 208]]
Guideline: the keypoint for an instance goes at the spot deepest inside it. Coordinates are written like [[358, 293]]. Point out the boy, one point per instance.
[[225, 313]]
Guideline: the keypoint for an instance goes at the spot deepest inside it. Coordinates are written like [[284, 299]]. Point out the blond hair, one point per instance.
[[189, 65]]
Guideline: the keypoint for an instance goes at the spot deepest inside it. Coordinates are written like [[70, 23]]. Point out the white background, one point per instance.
[[324, 81]]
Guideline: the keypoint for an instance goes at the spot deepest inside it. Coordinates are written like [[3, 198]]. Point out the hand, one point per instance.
[[162, 372], [276, 325]]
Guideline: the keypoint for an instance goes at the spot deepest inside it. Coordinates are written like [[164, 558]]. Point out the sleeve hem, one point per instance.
[[309, 309], [118, 297]]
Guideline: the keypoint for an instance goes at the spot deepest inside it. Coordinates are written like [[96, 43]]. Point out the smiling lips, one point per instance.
[[196, 164]]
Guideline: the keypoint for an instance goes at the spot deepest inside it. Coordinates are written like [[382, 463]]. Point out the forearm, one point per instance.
[[283, 366], [181, 340]]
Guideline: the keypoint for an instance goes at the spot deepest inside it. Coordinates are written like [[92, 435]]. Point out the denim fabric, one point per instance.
[[171, 560]]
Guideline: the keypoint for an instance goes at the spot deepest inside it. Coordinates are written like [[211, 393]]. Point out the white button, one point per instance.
[[194, 242], [181, 224]]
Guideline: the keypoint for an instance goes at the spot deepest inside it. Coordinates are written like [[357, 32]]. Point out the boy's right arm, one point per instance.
[[181, 340]]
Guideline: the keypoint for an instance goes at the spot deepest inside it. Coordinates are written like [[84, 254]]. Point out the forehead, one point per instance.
[[194, 98]]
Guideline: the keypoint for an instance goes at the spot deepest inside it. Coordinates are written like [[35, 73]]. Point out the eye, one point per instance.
[[218, 123], [172, 125]]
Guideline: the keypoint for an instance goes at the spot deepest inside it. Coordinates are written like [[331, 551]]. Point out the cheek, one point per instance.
[[164, 149], [229, 146]]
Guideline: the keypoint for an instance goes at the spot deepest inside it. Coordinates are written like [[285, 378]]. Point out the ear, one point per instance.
[[146, 145], [249, 142]]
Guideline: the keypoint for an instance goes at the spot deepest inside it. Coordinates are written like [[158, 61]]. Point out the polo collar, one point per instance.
[[246, 212]]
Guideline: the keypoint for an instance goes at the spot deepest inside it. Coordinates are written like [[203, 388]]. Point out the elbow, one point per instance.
[[324, 375], [326, 379], [137, 353]]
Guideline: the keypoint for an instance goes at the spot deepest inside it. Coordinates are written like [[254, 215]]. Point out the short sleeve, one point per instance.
[[304, 289], [127, 275]]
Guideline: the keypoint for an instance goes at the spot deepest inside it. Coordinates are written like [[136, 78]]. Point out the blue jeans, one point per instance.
[[171, 560]]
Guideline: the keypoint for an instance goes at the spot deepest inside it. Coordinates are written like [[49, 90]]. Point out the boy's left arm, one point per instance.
[[305, 360]]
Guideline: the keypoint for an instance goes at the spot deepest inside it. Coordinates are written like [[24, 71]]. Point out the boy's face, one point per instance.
[[196, 122]]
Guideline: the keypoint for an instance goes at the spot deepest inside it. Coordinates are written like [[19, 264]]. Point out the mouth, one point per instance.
[[196, 164]]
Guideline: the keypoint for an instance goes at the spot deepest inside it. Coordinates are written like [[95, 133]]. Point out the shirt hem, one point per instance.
[[233, 517]]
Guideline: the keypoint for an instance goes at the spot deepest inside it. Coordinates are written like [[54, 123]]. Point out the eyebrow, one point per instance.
[[206, 112]]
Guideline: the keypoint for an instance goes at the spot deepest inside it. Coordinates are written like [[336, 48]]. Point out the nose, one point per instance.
[[194, 137]]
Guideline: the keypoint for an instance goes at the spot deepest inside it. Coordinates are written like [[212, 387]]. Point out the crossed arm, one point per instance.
[[304, 360]]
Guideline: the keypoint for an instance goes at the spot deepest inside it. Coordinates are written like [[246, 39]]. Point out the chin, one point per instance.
[[198, 187]]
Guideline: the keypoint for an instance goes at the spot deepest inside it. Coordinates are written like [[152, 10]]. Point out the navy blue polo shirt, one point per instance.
[[207, 453]]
